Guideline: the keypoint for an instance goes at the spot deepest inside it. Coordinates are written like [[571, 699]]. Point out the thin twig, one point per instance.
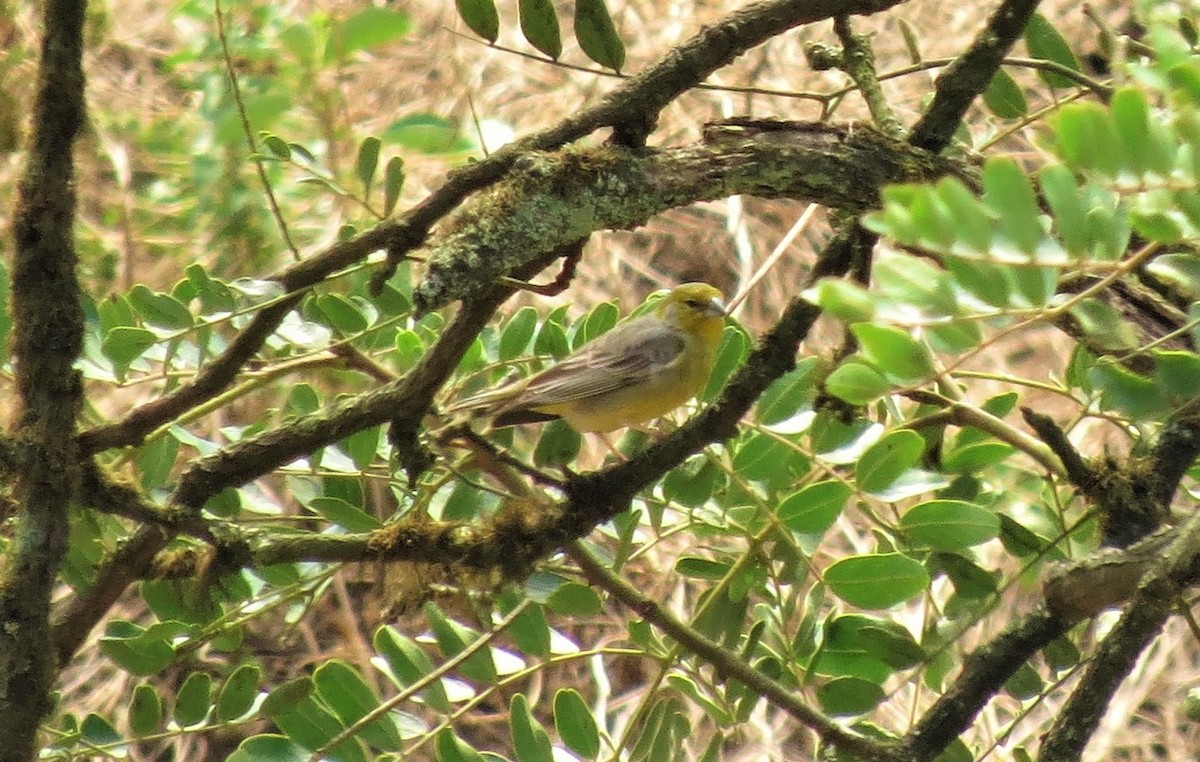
[[725, 662]]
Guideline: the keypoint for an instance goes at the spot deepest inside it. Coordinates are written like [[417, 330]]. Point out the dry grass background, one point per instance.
[[440, 70]]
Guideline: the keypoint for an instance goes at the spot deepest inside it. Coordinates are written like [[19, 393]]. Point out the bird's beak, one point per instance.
[[715, 307]]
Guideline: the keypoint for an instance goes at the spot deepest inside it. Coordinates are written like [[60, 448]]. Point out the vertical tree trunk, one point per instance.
[[48, 335]]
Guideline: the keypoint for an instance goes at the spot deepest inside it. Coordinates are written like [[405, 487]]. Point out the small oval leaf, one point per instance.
[[877, 581], [597, 35], [539, 24], [481, 17]]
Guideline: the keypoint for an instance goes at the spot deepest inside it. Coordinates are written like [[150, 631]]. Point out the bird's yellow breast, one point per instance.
[[657, 395]]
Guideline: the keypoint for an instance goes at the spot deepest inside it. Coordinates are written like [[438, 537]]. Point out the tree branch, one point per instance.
[[970, 74], [47, 338], [549, 200], [727, 664], [1156, 598], [646, 93], [983, 672]]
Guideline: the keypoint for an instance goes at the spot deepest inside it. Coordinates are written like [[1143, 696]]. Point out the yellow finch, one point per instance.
[[639, 370]]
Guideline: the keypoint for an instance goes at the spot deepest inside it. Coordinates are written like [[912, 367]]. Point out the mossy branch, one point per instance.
[[550, 199], [46, 340]]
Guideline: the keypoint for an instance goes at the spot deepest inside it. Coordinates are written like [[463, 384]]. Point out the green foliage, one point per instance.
[[593, 25], [876, 503]]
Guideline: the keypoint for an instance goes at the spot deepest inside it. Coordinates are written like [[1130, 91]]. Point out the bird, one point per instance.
[[641, 369]]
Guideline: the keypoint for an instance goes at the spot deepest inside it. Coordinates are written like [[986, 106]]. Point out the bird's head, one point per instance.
[[694, 307]]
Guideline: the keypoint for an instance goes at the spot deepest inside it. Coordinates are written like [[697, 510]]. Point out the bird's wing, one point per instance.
[[620, 358]]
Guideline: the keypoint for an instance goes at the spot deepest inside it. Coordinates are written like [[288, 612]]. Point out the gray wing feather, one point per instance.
[[616, 359]]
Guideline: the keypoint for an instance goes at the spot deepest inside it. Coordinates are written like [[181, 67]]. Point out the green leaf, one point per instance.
[[312, 726], [480, 17], [141, 651], [814, 508], [1070, 215], [409, 663], [454, 638], [971, 458], [857, 383], [699, 696], [1018, 540], [768, 458], [1004, 96], [362, 447], [845, 653], [1182, 270], [192, 700], [155, 460], [342, 314], [517, 333], [393, 183], [575, 724], [369, 28], [843, 299], [269, 747], [98, 731], [238, 692], [1061, 655], [558, 445], [124, 344], [657, 740], [531, 632], [285, 696], [893, 351], [790, 393], [262, 110], [530, 740], [1008, 193], [970, 580], [1157, 225], [1177, 373], [552, 339], [950, 524], [701, 568], [575, 599], [160, 310], [731, 355], [1122, 389], [1024, 684], [885, 461], [1103, 326], [1132, 119], [450, 748], [145, 710], [975, 224], [876, 581], [276, 145], [914, 282], [409, 349], [954, 336], [1044, 42], [426, 133], [892, 643], [693, 483], [848, 696], [599, 321], [343, 513], [345, 692], [597, 35], [367, 161], [989, 283], [1086, 138], [539, 24]]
